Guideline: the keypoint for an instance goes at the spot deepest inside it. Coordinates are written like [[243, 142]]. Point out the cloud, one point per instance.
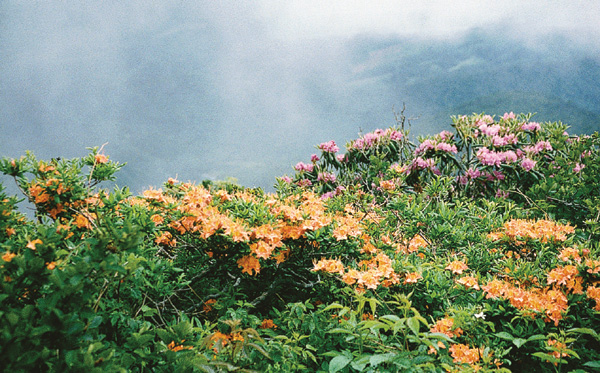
[[439, 19]]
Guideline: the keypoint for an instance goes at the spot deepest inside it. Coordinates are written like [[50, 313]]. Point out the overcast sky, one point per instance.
[[209, 89]]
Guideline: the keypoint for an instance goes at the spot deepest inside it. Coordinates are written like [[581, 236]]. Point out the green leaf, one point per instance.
[[536, 337], [592, 364], [413, 324], [505, 335], [338, 363], [339, 331], [583, 331], [519, 342], [375, 360], [332, 307]]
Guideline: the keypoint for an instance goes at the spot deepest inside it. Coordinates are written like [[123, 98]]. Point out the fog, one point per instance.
[[210, 90]]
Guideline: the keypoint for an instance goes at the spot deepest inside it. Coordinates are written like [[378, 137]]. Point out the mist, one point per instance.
[[211, 90]]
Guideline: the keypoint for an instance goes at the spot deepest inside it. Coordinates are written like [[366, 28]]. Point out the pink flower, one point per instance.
[[326, 177], [329, 147], [339, 190], [424, 146], [501, 194], [540, 146], [472, 173], [340, 157], [420, 163], [327, 195], [445, 135], [578, 167], [395, 135], [502, 141], [492, 130], [445, 147], [300, 166], [507, 116], [498, 175], [509, 156], [528, 164], [531, 126], [304, 182], [286, 179], [488, 157], [314, 158]]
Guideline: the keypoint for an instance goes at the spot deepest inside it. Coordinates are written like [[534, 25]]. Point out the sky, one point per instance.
[[215, 89]]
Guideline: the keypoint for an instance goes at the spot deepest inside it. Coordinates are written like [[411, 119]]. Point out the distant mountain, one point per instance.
[[484, 72]]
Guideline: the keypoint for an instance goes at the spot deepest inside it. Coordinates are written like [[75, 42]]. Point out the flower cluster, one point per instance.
[[329, 147], [372, 139], [550, 302], [519, 231]]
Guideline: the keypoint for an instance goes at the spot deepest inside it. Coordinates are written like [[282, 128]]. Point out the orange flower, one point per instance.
[[412, 278], [468, 282], [457, 267], [207, 307], [166, 238], [416, 243], [10, 231], [261, 249], [519, 230], [594, 293], [329, 265], [51, 265], [570, 253], [55, 211], [446, 326], [100, 158], [368, 316], [249, 264], [157, 219], [82, 222], [31, 244], [369, 248], [173, 347], [267, 324], [369, 279], [462, 354], [282, 256], [220, 340], [8, 256], [387, 184], [433, 350], [567, 276], [560, 346], [350, 277]]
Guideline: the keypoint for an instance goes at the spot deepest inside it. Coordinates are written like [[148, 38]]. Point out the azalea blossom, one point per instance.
[[412, 278], [457, 267]]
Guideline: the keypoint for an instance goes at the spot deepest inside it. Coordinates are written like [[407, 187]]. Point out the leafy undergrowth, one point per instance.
[[473, 250]]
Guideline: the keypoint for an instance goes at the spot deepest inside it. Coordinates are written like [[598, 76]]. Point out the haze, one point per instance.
[[209, 90]]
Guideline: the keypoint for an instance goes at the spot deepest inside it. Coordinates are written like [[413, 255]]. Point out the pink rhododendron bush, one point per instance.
[[475, 249]]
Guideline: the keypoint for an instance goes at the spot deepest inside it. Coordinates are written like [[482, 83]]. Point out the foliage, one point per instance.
[[475, 249]]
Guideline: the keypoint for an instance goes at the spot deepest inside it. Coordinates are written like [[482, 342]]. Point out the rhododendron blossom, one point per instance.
[[578, 167], [329, 147], [300, 166], [528, 164], [531, 126]]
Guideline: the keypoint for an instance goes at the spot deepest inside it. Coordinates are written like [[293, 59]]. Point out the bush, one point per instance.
[[473, 249]]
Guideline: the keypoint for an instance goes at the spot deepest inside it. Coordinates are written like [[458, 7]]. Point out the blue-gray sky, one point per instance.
[[210, 89]]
